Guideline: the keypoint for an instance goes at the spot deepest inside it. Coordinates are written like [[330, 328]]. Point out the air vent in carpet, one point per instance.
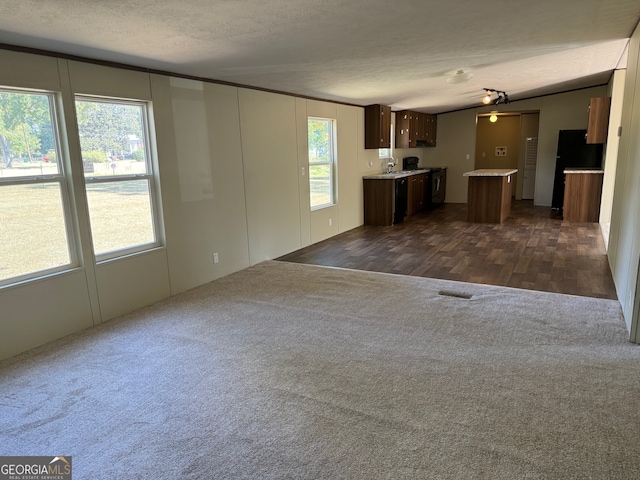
[[449, 293]]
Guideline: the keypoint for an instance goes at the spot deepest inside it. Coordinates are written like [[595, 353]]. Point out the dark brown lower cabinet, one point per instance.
[[582, 194], [489, 199], [382, 197], [416, 193], [379, 201]]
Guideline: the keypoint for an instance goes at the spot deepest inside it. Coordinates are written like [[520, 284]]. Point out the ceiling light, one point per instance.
[[460, 76], [493, 118], [502, 97]]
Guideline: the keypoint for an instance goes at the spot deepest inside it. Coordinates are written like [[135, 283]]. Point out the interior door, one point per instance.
[[530, 163]]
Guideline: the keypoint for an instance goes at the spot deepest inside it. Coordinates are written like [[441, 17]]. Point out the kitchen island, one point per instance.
[[489, 194]]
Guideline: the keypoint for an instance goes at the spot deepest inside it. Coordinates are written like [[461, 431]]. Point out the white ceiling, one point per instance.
[[401, 54]]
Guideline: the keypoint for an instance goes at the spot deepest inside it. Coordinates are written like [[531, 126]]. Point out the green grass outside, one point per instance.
[[32, 228], [319, 184], [32, 223]]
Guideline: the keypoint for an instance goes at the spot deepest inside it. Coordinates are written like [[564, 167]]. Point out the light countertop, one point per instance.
[[394, 175], [491, 172], [583, 170]]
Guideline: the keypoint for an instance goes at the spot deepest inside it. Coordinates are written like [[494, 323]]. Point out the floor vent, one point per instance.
[[449, 293]]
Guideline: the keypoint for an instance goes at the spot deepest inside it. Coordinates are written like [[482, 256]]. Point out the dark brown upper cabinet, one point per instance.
[[403, 126], [598, 119], [377, 126], [430, 129], [415, 129]]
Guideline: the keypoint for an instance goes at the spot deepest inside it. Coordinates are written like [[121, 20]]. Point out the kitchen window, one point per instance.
[[119, 175], [35, 223], [322, 161]]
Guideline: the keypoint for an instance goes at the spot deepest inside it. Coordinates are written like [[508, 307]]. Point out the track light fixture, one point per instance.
[[488, 97]]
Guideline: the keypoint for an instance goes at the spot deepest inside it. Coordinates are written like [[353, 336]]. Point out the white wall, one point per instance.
[[231, 182], [127, 283], [457, 131], [351, 155], [270, 159], [349, 211], [40, 310], [610, 160], [323, 223], [198, 137], [624, 247]]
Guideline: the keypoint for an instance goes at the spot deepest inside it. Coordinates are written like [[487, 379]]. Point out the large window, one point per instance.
[[34, 213], [114, 138], [321, 132]]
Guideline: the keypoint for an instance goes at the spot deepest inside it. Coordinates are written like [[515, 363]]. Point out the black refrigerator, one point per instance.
[[573, 152]]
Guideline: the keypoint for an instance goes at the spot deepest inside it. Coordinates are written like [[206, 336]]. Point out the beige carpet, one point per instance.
[[303, 372]]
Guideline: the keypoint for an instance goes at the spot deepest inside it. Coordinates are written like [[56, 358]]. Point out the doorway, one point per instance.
[[510, 140]]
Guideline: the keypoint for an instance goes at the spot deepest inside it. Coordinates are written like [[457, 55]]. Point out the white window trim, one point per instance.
[[61, 178], [150, 176], [331, 163]]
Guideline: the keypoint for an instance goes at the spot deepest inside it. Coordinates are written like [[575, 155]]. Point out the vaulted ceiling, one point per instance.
[[431, 56]]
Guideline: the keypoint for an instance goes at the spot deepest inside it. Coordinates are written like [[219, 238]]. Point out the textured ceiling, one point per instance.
[[402, 54]]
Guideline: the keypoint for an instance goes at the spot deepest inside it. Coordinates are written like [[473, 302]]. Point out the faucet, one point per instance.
[[390, 165]]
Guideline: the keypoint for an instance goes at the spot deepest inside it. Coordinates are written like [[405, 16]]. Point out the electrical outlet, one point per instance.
[[215, 258], [330, 222]]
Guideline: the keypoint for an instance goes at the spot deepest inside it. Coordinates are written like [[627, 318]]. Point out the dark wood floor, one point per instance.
[[534, 249]]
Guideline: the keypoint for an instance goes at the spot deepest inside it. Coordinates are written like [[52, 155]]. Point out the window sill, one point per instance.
[[321, 207], [124, 255], [44, 277]]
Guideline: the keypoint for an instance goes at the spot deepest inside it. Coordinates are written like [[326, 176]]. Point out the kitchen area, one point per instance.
[[419, 184], [438, 240], [394, 194], [390, 197]]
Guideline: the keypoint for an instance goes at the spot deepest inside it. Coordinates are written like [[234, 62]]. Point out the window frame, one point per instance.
[[332, 163], [384, 153], [151, 176], [62, 178]]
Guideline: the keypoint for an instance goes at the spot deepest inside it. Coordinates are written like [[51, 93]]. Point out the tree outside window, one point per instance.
[[34, 211], [118, 174]]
